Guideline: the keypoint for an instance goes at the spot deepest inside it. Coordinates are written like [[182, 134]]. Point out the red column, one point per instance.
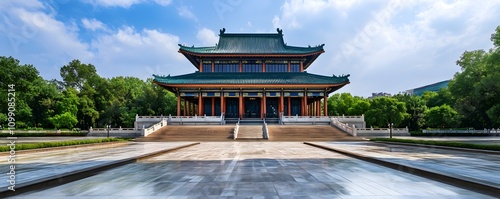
[[178, 105], [241, 105], [311, 110], [200, 105], [213, 106], [188, 107], [264, 106], [305, 105], [301, 66], [308, 112], [241, 67], [263, 67], [289, 67], [289, 106], [201, 66], [222, 103], [325, 105], [318, 109], [282, 103], [213, 67]]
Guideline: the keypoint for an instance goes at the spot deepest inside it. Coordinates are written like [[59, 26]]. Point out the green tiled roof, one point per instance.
[[251, 43], [251, 78]]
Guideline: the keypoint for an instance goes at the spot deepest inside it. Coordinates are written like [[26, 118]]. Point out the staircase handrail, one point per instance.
[[344, 127], [147, 131], [265, 131], [236, 129], [222, 118]]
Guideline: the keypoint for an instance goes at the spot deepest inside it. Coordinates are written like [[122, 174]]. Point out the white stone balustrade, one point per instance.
[[196, 119], [147, 131]]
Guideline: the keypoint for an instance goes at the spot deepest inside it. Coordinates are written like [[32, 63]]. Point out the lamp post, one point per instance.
[[390, 129], [107, 127]]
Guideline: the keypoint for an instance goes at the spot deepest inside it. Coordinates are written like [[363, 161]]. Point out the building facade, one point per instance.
[[431, 88], [251, 75]]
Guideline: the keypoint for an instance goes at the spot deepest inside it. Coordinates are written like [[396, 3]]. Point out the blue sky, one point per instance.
[[386, 46]]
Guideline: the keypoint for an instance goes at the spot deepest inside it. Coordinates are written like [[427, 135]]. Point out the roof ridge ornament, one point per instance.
[[222, 31], [280, 31]]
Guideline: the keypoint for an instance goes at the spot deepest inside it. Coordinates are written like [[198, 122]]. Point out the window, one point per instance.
[[276, 67], [252, 67], [294, 67], [207, 68], [227, 68]]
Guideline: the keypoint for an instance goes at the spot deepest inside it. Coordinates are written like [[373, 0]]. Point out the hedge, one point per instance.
[[492, 147], [27, 146]]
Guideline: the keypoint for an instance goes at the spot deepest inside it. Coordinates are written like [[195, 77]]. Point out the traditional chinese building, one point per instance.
[[251, 75]]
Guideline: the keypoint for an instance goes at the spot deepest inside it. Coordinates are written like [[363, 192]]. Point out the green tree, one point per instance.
[[69, 102], [3, 119], [25, 79], [385, 110], [76, 74], [415, 108], [359, 107], [66, 119], [44, 103], [475, 89], [441, 116], [339, 104]]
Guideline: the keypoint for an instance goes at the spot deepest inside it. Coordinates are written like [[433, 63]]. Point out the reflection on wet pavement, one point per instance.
[[253, 169]]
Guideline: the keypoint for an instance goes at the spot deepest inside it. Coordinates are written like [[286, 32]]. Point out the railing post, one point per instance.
[[354, 131]]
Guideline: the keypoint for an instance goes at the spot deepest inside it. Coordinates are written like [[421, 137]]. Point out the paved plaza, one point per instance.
[[477, 167], [41, 165], [258, 170]]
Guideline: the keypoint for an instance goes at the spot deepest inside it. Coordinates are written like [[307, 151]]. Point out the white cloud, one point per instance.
[[163, 2], [113, 3], [207, 37], [39, 38], [389, 46], [184, 11], [125, 3], [27, 4], [93, 24], [293, 11], [33, 35], [128, 51]]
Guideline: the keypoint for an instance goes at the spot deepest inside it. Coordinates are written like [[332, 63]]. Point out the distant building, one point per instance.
[[431, 87], [381, 94]]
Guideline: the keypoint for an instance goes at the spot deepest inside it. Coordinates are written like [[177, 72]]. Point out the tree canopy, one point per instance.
[[83, 99]]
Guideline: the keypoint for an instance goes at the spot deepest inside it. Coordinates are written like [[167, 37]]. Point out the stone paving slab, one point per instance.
[[37, 166], [253, 170], [476, 167]]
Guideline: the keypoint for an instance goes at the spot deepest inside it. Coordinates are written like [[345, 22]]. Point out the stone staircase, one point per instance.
[[191, 133], [307, 133], [249, 132]]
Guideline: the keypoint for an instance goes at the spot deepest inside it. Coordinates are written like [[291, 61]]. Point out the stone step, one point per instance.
[[250, 132], [191, 133], [306, 133]]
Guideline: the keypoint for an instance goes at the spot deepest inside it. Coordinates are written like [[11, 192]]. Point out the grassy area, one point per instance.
[[419, 133], [59, 143], [40, 134], [491, 147]]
